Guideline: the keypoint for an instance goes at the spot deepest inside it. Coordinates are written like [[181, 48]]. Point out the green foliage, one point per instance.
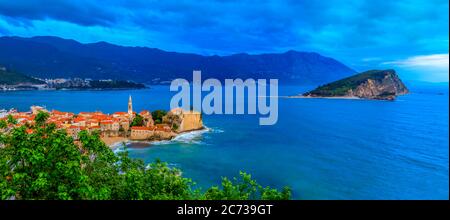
[[41, 118], [41, 165], [11, 120], [47, 164], [13, 78], [244, 188], [3, 124], [137, 121], [158, 116]]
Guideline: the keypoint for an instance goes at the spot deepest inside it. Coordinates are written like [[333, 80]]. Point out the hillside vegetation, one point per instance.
[[13, 78], [343, 86]]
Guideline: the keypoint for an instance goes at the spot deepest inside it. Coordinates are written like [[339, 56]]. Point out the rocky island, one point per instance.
[[373, 84]]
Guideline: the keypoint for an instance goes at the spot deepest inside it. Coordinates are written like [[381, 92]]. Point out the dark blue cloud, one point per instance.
[[363, 34], [79, 12]]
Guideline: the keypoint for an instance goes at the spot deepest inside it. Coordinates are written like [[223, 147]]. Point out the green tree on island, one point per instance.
[[47, 164], [137, 121], [157, 116]]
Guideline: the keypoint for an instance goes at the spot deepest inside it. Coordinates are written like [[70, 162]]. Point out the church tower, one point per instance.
[[130, 107]]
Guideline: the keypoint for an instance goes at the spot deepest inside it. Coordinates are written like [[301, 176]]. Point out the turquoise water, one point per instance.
[[321, 148]]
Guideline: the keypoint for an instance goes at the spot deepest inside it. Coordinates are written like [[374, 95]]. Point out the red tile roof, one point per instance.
[[141, 128]]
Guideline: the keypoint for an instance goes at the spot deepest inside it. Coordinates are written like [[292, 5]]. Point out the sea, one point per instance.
[[321, 148]]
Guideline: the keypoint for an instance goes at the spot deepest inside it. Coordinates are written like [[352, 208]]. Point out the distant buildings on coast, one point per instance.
[[72, 83]]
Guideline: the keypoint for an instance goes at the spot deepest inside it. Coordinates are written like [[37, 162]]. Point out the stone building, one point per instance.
[[148, 119], [182, 120], [141, 133]]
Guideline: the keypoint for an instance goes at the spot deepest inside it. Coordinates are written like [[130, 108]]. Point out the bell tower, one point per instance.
[[130, 107]]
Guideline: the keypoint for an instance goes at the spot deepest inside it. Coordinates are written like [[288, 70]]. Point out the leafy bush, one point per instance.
[[138, 120], [3, 124], [158, 115], [11, 120]]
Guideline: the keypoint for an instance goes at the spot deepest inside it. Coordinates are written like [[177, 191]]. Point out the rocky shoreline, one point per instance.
[[115, 144]]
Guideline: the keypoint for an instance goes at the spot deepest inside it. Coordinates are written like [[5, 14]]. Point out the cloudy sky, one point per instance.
[[411, 36]]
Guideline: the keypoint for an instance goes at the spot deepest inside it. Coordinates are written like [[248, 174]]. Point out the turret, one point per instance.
[[130, 107]]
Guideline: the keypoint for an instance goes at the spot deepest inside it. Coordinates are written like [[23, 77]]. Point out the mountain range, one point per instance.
[[53, 57]]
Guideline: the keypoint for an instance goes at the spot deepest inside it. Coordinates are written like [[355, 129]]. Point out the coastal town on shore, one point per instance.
[[113, 128]]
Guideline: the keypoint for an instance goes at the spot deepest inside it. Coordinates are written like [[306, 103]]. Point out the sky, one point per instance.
[[411, 36]]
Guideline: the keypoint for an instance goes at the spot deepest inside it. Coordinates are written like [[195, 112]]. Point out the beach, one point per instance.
[[116, 142], [112, 142]]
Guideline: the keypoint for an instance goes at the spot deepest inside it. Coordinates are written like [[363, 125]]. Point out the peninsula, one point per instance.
[[113, 128], [373, 84], [12, 80]]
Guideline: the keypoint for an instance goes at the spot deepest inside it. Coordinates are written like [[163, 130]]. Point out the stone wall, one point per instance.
[[182, 121], [191, 121], [141, 134]]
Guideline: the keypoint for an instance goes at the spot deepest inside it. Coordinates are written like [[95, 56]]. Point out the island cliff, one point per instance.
[[373, 84]]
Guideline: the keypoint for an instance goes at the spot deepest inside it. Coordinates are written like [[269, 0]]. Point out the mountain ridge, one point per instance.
[[52, 57]]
